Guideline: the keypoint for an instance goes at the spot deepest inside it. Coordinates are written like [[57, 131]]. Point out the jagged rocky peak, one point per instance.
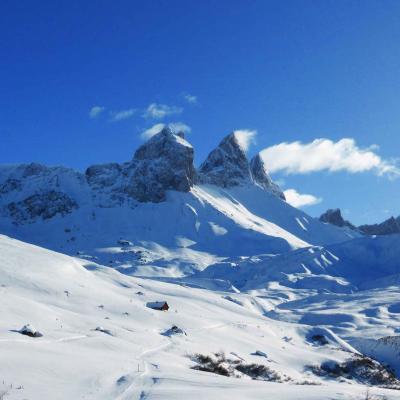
[[164, 162], [388, 227], [334, 217], [227, 165], [261, 177]]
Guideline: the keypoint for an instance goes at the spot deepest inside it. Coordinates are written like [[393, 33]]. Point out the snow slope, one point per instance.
[[362, 263], [127, 356], [177, 223], [185, 233]]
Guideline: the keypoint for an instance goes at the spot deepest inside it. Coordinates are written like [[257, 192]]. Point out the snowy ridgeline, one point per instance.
[[33, 191], [204, 345], [156, 215], [249, 296]]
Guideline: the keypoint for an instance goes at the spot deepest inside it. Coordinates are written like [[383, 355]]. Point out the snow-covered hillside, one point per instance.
[[101, 341], [179, 221], [263, 299]]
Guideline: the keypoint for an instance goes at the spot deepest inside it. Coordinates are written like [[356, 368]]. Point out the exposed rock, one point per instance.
[[164, 163], [388, 227], [45, 205], [104, 175], [227, 165], [262, 178], [34, 169], [10, 185], [334, 217]]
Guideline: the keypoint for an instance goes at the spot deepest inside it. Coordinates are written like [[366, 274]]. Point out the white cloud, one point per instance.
[[96, 111], [296, 199], [175, 126], [159, 111], [180, 127], [245, 138], [324, 154], [148, 133], [123, 114], [190, 98]]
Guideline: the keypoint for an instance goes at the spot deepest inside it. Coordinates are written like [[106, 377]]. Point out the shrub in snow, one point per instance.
[[259, 371], [29, 330], [360, 368], [219, 364]]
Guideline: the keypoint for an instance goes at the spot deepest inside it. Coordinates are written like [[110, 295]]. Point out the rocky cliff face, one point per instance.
[[388, 227], [334, 217], [261, 177], [228, 166], [34, 191], [164, 163]]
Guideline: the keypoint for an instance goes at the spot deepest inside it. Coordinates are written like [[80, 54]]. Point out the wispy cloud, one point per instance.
[[159, 111], [121, 115], [95, 111], [245, 137], [175, 126], [296, 199], [180, 127], [190, 98], [325, 154]]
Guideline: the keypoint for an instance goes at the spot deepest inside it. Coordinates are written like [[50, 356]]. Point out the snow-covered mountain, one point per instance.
[[246, 276], [388, 227], [178, 219]]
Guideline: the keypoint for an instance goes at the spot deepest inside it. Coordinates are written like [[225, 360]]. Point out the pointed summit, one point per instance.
[[163, 163], [262, 178], [227, 165]]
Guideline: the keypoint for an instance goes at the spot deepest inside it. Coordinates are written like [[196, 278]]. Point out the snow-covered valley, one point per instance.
[[129, 355]]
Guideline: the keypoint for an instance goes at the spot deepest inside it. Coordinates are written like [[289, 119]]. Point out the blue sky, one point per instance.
[[291, 70]]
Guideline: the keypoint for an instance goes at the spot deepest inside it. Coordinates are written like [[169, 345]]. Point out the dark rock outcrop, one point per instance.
[[334, 217], [261, 177], [45, 205], [388, 227], [227, 165], [103, 175], [164, 163]]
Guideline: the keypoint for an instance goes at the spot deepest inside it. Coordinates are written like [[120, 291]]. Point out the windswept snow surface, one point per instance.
[[186, 233], [67, 298]]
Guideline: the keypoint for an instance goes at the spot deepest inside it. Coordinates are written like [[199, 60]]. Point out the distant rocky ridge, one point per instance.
[[388, 227], [334, 217], [165, 162]]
